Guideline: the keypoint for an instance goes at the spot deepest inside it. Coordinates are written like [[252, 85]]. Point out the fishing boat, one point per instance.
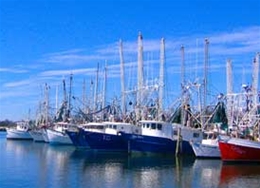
[[39, 134], [45, 135], [77, 136], [43, 122], [238, 149], [109, 138], [36, 134], [58, 135], [243, 144], [21, 132], [156, 137], [208, 147]]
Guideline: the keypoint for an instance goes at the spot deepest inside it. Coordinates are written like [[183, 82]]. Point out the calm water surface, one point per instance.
[[28, 164]]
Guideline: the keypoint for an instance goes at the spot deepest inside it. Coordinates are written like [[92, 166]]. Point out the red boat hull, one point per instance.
[[239, 152]]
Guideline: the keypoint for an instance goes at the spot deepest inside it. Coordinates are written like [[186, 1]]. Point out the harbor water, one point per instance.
[[30, 164]]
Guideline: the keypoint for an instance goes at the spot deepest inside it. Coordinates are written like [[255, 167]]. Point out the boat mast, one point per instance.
[[122, 71], [256, 106], [64, 105], [56, 99], [206, 64], [229, 75], [256, 73], [84, 97], [182, 84], [69, 99], [104, 89], [161, 78], [46, 96], [182, 67], [255, 78], [96, 90], [140, 75], [64, 91]]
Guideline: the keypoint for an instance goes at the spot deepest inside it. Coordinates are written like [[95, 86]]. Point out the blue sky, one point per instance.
[[45, 41]]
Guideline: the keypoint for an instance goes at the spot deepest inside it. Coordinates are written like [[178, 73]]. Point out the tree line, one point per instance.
[[7, 123]]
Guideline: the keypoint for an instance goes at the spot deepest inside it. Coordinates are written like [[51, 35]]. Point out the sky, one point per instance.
[[44, 41]]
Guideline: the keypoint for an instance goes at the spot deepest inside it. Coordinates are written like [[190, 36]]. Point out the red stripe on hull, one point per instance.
[[232, 152]]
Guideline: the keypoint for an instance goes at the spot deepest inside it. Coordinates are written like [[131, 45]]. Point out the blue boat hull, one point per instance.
[[155, 145], [104, 142], [186, 148], [78, 138], [149, 144]]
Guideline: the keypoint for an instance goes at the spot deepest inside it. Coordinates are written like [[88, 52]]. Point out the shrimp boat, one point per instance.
[[36, 134], [109, 138], [156, 137], [39, 134], [58, 135], [21, 132], [244, 141], [77, 136], [208, 147], [238, 149]]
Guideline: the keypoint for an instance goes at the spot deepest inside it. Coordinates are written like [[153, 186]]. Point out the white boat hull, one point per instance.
[[56, 137], [18, 134], [205, 150], [37, 135], [45, 135]]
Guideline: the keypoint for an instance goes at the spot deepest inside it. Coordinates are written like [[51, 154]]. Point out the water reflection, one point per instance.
[[27, 161], [135, 171], [206, 173], [240, 174], [30, 164]]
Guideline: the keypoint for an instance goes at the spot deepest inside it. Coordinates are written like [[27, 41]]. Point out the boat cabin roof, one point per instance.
[[116, 123]]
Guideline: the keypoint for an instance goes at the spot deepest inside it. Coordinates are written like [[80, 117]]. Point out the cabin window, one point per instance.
[[147, 125], [196, 135], [212, 136], [159, 126], [153, 126], [100, 127], [114, 126], [143, 125]]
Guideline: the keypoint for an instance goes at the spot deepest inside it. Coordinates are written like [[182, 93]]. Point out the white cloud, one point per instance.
[[18, 83], [222, 45], [67, 72], [12, 70], [239, 45]]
